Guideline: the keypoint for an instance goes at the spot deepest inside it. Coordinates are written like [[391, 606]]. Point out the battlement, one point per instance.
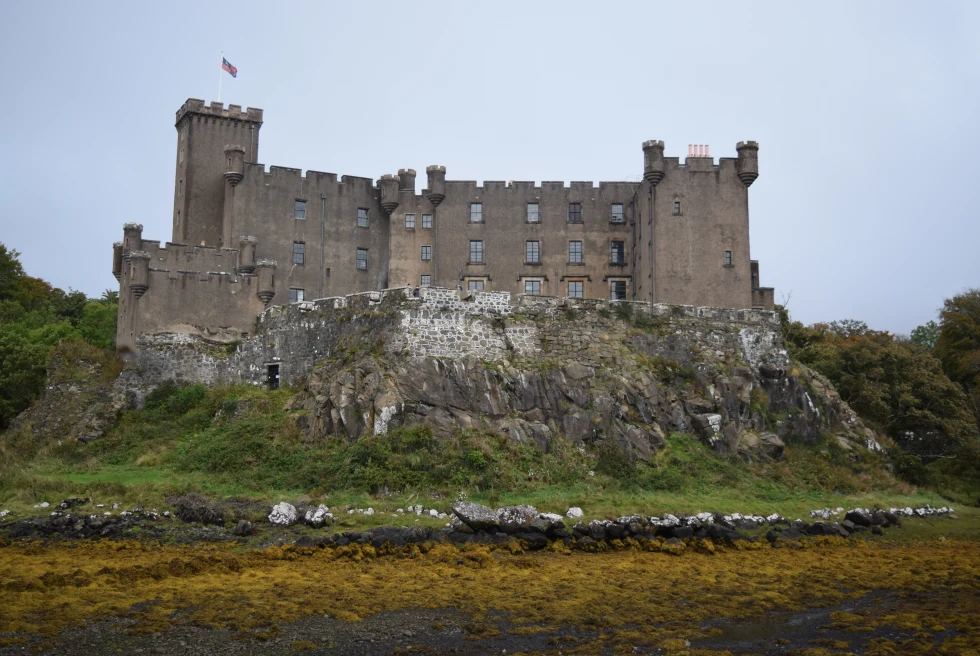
[[289, 175], [174, 257], [527, 186], [217, 110]]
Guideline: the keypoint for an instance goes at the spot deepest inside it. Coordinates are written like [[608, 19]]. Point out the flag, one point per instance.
[[226, 66]]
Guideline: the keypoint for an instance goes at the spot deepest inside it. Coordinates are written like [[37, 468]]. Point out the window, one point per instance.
[[617, 290], [180, 187], [575, 252], [474, 286], [728, 259], [427, 222], [181, 160], [617, 253], [532, 213], [178, 218], [476, 252], [299, 252], [425, 280], [677, 207], [617, 213], [299, 209], [362, 217], [296, 295], [476, 212], [575, 212], [532, 287], [532, 252], [362, 259], [426, 253], [576, 289], [410, 222]]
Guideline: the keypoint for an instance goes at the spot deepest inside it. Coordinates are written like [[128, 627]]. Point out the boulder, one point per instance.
[[317, 517], [516, 519], [476, 516], [679, 532], [615, 531], [858, 517], [283, 514], [533, 540], [573, 513], [195, 507], [788, 534], [243, 528]]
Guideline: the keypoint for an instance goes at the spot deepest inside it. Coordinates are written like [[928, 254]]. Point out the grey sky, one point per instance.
[[867, 116]]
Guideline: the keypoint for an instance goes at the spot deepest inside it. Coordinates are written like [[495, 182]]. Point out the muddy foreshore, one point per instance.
[[146, 582]]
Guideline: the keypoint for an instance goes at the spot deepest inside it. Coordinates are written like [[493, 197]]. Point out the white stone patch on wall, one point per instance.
[[439, 334]]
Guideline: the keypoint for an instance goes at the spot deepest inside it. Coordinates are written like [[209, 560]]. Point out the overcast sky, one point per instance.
[[867, 115]]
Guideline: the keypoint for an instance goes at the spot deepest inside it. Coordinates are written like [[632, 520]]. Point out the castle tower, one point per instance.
[[203, 133]]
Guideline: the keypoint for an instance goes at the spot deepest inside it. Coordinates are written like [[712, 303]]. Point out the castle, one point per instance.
[[245, 238]]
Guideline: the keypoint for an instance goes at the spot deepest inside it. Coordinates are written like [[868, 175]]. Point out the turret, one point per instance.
[[406, 180], [437, 184], [267, 280], [653, 161], [235, 164], [139, 281], [389, 192], [246, 260], [748, 161], [132, 238], [117, 260]]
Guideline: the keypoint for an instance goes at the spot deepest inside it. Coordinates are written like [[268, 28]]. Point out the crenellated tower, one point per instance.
[[206, 164]]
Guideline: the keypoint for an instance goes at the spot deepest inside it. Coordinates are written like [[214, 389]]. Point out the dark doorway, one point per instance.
[[273, 376]]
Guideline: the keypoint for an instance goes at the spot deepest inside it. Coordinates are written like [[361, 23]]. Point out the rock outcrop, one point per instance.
[[595, 376], [595, 373]]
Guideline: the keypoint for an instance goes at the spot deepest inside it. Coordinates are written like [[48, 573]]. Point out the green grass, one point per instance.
[[240, 443]]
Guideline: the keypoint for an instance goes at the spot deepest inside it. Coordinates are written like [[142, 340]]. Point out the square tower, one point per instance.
[[203, 133]]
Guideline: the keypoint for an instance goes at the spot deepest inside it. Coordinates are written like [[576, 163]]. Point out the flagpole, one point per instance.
[[221, 70]]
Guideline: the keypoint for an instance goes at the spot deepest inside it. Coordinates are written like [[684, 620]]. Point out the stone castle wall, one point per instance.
[[447, 324]]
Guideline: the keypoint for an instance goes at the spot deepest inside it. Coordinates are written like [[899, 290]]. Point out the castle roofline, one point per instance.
[[218, 110]]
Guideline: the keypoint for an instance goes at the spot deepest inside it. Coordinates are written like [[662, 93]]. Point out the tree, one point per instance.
[[958, 344], [98, 324], [71, 305], [110, 297], [899, 387], [925, 335], [848, 328], [11, 272]]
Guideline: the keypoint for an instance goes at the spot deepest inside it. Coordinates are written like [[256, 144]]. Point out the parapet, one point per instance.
[[217, 110]]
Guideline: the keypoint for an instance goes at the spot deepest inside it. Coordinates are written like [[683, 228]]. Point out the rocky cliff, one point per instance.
[[597, 373], [629, 373]]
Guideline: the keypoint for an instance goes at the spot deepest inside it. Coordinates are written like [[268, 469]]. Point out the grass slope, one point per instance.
[[241, 443]]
